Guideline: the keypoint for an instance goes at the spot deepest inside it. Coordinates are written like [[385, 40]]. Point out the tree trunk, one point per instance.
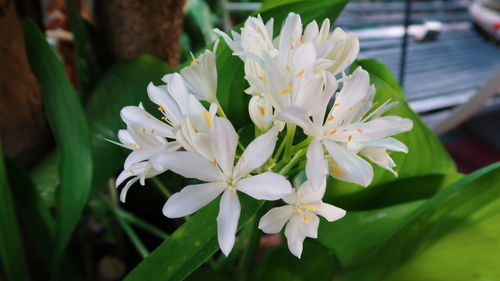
[[23, 128], [138, 27]]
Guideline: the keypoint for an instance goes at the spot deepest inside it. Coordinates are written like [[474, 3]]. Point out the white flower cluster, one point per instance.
[[292, 77]]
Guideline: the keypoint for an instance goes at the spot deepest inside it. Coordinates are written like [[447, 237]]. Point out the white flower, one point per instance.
[[201, 76], [223, 177], [259, 109], [352, 127], [184, 117], [137, 164], [300, 216]]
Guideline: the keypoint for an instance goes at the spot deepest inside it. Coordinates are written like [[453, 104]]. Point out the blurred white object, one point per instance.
[[486, 15], [428, 31]]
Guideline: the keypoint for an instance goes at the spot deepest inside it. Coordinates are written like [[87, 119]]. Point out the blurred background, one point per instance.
[[445, 54]]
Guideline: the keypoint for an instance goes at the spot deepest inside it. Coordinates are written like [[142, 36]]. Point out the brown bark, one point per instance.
[[137, 27], [23, 128]]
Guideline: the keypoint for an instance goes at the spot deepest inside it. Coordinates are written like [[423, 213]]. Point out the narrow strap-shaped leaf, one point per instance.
[[189, 246], [12, 256], [85, 61], [68, 124], [33, 210]]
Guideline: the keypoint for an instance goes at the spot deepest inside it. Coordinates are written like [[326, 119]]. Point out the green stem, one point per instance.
[[220, 111], [296, 158], [163, 189], [302, 144], [131, 218], [290, 134]]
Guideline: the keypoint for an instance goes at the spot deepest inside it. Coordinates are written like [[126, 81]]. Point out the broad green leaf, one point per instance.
[[45, 176], [190, 245], [316, 263], [12, 257], [396, 192], [231, 78], [69, 127], [426, 154], [33, 210], [122, 85], [85, 60], [357, 235], [441, 229]]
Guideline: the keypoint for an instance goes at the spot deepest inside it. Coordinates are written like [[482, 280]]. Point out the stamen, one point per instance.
[[164, 118], [288, 68], [152, 131], [131, 171], [330, 118], [350, 108], [310, 207], [300, 73], [332, 132], [261, 110], [160, 108], [291, 44], [233, 189], [261, 78], [365, 100], [208, 118], [328, 36], [349, 138], [301, 41], [307, 218], [336, 170], [287, 90], [360, 130], [213, 162], [195, 62], [147, 116], [143, 131], [337, 104]]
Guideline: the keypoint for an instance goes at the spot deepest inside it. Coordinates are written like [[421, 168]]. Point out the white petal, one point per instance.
[[162, 98], [145, 122], [142, 154], [274, 220], [311, 31], [307, 194], [296, 115], [378, 128], [178, 91], [191, 198], [265, 186], [227, 220], [351, 167], [123, 193], [187, 164], [310, 225], [295, 236], [388, 143], [135, 170], [316, 165], [126, 139], [224, 142], [329, 212], [257, 152], [201, 77], [379, 156]]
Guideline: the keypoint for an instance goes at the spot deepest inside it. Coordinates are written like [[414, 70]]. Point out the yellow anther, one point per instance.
[[359, 130], [213, 162], [285, 91], [307, 218], [143, 131], [328, 36], [152, 131], [349, 138], [365, 100], [147, 116], [332, 132], [291, 44], [330, 118], [336, 170], [350, 108], [288, 68], [195, 62], [131, 171], [261, 78], [261, 110], [164, 118], [337, 104], [160, 108], [300, 73], [233, 189], [309, 207], [208, 118], [301, 39]]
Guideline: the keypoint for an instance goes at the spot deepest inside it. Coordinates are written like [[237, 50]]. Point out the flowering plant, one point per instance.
[[295, 78]]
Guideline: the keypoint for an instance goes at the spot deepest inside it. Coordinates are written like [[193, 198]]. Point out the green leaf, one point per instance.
[[12, 256], [69, 127], [190, 245], [426, 154], [33, 210], [85, 60], [122, 85], [317, 263], [357, 235], [457, 230]]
